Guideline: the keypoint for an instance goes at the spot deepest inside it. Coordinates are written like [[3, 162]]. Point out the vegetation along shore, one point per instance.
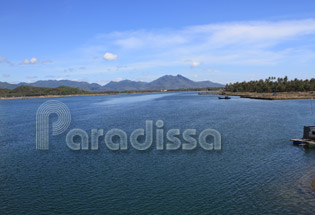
[[29, 92], [270, 89], [265, 96]]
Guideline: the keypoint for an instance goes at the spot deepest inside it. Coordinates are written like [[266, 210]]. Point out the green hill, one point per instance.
[[40, 91]]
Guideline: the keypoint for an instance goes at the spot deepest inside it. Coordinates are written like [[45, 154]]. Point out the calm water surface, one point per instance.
[[257, 171]]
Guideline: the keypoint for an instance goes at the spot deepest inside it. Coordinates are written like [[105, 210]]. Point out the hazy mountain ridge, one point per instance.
[[125, 85], [164, 82], [6, 85]]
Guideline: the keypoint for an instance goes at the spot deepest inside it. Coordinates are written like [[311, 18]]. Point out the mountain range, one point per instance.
[[165, 82]]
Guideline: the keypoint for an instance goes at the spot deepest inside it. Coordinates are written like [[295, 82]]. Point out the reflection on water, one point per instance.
[[132, 99]]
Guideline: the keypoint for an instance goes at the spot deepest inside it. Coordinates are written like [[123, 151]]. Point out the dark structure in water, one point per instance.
[[225, 97], [309, 132], [308, 140]]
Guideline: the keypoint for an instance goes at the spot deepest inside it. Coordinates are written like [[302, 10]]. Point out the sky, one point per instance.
[[140, 40]]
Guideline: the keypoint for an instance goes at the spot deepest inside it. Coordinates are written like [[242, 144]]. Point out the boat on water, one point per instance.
[[224, 97]]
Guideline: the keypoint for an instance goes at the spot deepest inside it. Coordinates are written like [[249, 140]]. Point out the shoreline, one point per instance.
[[250, 95], [266, 96], [48, 96], [73, 95]]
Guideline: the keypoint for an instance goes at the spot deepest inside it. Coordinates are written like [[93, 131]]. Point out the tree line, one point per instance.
[[273, 84], [40, 91]]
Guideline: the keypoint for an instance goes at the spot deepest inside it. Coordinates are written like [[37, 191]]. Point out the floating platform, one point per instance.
[[306, 143]]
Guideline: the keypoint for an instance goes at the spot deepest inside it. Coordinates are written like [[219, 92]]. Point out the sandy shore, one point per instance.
[[267, 96]]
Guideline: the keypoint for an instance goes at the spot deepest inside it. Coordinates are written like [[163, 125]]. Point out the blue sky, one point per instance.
[[100, 41]]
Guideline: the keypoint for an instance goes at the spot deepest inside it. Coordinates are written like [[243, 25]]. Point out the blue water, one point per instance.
[[257, 171]]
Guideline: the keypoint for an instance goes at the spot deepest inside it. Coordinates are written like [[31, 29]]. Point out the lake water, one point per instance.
[[257, 171]]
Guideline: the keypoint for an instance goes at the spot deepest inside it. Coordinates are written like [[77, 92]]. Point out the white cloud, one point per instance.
[[110, 56], [241, 44], [33, 60], [195, 64], [234, 46], [129, 43], [216, 34], [145, 39]]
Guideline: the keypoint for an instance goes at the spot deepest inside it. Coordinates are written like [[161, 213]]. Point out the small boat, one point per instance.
[[297, 142], [224, 97]]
